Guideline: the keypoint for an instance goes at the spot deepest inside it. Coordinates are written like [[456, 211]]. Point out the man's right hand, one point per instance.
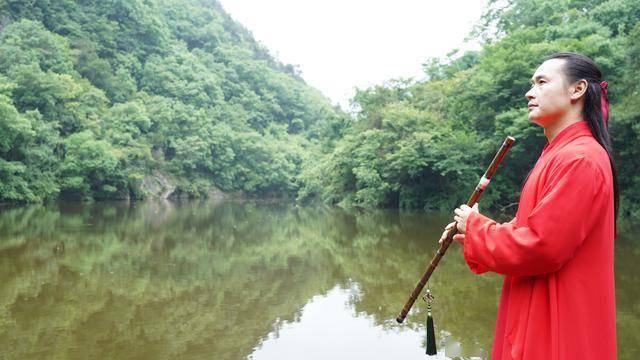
[[446, 230]]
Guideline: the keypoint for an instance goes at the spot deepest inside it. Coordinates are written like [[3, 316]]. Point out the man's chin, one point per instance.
[[535, 119]]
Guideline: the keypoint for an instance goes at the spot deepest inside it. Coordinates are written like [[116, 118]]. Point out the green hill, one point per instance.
[[116, 99], [97, 95], [425, 144]]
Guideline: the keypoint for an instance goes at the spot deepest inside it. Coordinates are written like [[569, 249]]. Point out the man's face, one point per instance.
[[549, 98]]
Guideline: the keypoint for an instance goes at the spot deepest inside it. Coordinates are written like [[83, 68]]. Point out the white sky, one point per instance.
[[343, 44]]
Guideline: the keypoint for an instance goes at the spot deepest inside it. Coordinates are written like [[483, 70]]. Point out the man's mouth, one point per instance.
[[531, 106]]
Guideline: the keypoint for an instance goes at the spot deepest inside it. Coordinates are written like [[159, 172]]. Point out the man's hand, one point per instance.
[[462, 213], [446, 230]]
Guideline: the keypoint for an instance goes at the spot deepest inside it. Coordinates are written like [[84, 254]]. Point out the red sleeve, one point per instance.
[[549, 236]]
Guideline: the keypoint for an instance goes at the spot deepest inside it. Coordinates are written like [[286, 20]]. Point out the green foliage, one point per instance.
[[425, 144], [26, 42], [89, 166], [26, 161], [94, 96]]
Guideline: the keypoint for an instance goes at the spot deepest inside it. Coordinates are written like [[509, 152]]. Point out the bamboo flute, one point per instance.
[[482, 185]]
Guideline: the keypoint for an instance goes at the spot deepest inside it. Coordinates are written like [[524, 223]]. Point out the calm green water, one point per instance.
[[198, 280]]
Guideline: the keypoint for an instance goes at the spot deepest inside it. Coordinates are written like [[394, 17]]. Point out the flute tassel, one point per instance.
[[431, 334]]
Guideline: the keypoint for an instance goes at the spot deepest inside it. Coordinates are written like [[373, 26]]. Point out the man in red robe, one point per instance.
[[556, 255]]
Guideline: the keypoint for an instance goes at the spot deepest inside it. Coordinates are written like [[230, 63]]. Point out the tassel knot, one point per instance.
[[431, 334]]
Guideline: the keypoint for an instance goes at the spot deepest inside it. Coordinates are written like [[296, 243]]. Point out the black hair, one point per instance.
[[577, 67]]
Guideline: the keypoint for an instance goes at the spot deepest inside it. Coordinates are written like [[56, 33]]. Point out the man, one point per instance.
[[558, 298]]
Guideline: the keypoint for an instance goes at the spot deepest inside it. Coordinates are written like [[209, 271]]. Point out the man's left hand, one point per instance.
[[462, 214]]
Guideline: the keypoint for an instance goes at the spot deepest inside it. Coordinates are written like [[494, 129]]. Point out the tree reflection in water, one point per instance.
[[162, 280]]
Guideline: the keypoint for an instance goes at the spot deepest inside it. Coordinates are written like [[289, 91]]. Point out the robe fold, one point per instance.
[[556, 255]]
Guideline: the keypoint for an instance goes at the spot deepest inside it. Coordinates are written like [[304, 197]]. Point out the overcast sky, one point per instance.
[[343, 44]]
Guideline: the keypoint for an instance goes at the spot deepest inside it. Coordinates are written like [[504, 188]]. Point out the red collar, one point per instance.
[[580, 128]]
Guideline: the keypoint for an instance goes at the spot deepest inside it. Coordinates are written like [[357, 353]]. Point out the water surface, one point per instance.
[[203, 280]]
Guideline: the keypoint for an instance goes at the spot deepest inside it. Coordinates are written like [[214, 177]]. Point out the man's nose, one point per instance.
[[528, 95]]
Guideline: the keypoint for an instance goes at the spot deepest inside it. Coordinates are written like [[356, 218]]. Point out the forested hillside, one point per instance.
[[425, 145], [97, 95]]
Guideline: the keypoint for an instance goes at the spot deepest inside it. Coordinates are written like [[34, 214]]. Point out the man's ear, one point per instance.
[[578, 89]]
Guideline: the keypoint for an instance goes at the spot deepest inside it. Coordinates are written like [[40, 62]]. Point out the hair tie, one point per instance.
[[604, 102]]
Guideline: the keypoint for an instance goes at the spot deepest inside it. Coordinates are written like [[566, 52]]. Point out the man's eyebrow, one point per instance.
[[535, 78]]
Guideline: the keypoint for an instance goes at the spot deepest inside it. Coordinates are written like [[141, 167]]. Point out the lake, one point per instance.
[[247, 280]]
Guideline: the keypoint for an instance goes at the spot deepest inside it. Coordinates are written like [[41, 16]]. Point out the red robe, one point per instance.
[[557, 300]]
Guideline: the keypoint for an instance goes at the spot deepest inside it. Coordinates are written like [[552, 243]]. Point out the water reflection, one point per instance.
[[162, 280], [329, 328]]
